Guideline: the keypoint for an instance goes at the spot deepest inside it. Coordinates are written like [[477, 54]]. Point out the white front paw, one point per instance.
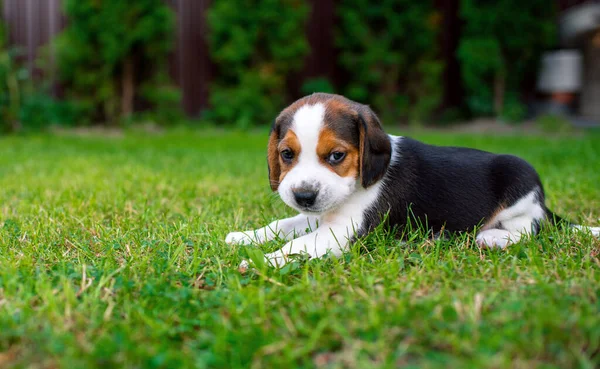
[[493, 239], [239, 238], [276, 259], [244, 265]]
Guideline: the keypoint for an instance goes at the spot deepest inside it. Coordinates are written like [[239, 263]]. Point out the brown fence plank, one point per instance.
[[448, 41], [190, 64], [321, 60], [322, 56]]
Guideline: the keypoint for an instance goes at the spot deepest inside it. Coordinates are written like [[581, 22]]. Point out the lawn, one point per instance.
[[112, 255]]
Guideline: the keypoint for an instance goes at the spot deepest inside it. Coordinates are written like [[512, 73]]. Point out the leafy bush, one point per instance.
[[389, 49], [11, 86], [319, 84], [40, 110], [255, 50], [108, 48], [165, 99], [24, 104], [500, 45]]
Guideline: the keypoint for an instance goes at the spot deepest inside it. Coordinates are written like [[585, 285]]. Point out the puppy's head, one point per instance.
[[323, 148]]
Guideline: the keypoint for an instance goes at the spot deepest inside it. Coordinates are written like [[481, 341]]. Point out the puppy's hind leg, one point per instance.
[[512, 223], [595, 231], [557, 220], [285, 228]]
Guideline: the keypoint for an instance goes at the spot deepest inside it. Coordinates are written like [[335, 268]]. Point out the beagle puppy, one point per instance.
[[330, 159]]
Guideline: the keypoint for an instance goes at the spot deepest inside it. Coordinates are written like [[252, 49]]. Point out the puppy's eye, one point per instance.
[[287, 155], [336, 157]]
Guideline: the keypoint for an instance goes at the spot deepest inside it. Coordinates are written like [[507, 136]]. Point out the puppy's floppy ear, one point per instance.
[[273, 157], [375, 147]]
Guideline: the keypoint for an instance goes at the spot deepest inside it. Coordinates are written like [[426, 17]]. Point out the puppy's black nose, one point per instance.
[[305, 198]]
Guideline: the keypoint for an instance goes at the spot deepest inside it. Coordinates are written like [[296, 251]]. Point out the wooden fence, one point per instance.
[[190, 64], [32, 23]]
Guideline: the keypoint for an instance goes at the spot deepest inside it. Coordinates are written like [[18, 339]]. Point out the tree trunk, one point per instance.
[[127, 89], [499, 90]]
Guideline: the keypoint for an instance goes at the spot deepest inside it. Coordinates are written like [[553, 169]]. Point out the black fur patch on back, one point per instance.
[[450, 188]]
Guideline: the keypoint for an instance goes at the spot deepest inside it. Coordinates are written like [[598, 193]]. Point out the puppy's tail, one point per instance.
[[559, 221]]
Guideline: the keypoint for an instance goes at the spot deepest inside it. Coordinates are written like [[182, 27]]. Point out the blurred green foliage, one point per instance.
[[113, 54], [25, 105], [255, 49], [389, 49], [11, 80], [319, 84], [40, 110], [111, 61], [500, 46]]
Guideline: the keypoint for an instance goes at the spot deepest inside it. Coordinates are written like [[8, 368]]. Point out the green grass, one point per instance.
[[112, 255]]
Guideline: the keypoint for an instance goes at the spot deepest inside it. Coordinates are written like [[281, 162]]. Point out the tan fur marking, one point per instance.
[[290, 141], [273, 161], [490, 221], [328, 143], [361, 149], [336, 105]]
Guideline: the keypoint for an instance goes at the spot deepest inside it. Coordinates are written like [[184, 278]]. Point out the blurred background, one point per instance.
[[237, 63]]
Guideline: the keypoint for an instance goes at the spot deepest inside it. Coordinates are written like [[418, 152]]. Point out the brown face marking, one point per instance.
[[357, 123], [341, 118], [330, 142], [273, 161], [277, 167], [290, 141], [340, 133]]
